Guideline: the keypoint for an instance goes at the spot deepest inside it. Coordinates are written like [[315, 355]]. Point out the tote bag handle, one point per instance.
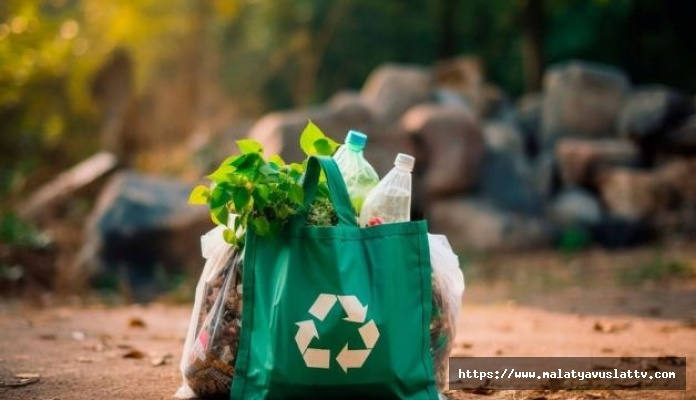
[[338, 194]]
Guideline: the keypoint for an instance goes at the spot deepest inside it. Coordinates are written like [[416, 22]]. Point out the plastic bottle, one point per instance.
[[358, 174], [390, 200]]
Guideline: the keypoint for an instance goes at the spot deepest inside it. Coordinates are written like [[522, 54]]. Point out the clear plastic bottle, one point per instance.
[[390, 200], [359, 175]]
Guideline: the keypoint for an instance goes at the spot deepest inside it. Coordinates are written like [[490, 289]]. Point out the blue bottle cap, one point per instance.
[[356, 138]]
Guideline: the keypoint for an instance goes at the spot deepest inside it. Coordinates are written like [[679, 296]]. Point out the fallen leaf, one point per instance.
[[607, 350], [608, 327], [669, 328], [466, 345], [162, 360], [48, 336], [134, 354], [27, 375], [136, 322], [78, 335]]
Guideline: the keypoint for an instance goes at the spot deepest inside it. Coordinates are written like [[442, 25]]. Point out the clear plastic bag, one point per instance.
[[448, 288], [210, 350]]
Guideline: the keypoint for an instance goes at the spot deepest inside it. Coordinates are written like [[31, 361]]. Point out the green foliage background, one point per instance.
[[279, 54]]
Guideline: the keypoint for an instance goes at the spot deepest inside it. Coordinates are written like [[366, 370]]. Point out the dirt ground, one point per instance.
[[637, 303]]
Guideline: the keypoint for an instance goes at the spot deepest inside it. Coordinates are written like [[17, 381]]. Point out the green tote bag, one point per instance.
[[336, 312]]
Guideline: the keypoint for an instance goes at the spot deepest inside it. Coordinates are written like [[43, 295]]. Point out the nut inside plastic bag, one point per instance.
[[448, 288], [210, 350]]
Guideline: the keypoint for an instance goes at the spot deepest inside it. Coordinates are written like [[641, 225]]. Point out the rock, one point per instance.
[[476, 224], [391, 89], [651, 112], [463, 75], [144, 227], [677, 182], [350, 107], [581, 99], [665, 197], [580, 159], [528, 113], [449, 147], [628, 193], [576, 207], [279, 132], [506, 175]]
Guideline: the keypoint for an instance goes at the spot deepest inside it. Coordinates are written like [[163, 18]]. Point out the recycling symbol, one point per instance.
[[346, 358]]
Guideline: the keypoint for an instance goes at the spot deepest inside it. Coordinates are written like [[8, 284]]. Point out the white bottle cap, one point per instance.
[[405, 161]]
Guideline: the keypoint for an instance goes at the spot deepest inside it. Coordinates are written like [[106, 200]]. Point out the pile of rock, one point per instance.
[[590, 152]]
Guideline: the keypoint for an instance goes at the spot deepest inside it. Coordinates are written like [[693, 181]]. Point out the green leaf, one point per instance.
[[222, 174], [261, 226], [249, 146], [241, 197], [220, 215], [229, 236], [269, 169], [296, 194], [314, 142], [310, 134], [220, 196], [263, 191], [277, 160], [199, 195]]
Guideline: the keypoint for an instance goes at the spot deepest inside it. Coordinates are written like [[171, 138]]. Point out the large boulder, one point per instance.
[[506, 174], [582, 99], [391, 89], [142, 226], [464, 76], [630, 193], [576, 207], [651, 112], [449, 147], [476, 224], [580, 160], [669, 190]]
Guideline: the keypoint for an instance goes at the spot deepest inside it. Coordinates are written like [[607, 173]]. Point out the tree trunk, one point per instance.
[[532, 42], [447, 21]]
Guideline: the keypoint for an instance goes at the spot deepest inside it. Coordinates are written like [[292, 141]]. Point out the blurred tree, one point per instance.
[[532, 43]]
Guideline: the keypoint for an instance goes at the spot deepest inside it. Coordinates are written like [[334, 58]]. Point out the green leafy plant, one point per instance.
[[264, 193]]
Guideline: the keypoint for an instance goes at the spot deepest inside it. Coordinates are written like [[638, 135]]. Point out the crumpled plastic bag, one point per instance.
[[210, 350], [448, 289]]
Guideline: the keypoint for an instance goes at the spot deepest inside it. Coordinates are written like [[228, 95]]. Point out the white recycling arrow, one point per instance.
[[369, 334], [352, 358], [355, 310], [322, 305], [305, 334], [317, 358]]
